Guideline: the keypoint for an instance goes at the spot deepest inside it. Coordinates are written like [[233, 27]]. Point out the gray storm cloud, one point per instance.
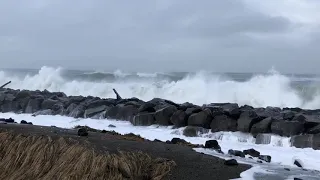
[[160, 35]]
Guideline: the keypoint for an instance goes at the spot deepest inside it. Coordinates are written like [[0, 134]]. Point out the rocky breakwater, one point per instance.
[[302, 125]]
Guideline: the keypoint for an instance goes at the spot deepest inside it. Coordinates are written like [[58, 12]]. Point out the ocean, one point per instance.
[[258, 90]]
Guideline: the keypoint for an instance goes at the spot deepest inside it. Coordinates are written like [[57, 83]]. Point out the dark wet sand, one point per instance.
[[190, 164]]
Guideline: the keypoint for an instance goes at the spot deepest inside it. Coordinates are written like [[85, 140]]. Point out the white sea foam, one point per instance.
[[272, 89], [279, 149]]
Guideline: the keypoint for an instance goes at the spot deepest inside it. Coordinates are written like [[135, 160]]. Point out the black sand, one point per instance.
[[190, 164]]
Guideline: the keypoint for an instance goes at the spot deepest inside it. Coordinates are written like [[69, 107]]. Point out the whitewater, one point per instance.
[[258, 90], [279, 148]]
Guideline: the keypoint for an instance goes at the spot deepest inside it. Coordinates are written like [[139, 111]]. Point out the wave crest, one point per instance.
[[271, 89]]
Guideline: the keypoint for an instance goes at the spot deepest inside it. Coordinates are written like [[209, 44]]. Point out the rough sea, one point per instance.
[[259, 90]]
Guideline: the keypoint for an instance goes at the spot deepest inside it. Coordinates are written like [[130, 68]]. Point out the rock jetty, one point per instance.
[[300, 124]]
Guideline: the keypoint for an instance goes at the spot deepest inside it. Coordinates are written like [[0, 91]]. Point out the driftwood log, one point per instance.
[[117, 94], [5, 85]]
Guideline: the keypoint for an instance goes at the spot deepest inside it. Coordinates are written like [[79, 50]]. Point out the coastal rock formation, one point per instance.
[[300, 124]]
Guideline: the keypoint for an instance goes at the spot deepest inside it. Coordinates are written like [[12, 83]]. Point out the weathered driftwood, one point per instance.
[[5, 85], [118, 96]]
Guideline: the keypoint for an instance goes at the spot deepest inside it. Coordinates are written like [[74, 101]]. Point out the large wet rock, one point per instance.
[[161, 103], [287, 128], [127, 112], [314, 130], [306, 141], [94, 110], [179, 118], [33, 105], [264, 126], [201, 119], [223, 123], [247, 120], [147, 107], [98, 103], [194, 131], [23, 94], [122, 112], [143, 119], [77, 112], [162, 116], [288, 115], [273, 112], [48, 103]]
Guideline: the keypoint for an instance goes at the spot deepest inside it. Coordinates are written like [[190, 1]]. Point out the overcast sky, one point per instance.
[[162, 35]]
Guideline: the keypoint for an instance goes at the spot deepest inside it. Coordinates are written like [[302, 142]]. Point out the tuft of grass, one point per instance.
[[42, 157]]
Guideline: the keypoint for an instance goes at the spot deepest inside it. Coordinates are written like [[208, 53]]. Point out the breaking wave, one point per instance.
[[259, 90]]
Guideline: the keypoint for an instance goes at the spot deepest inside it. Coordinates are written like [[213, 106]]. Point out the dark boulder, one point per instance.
[[194, 131], [147, 107], [306, 141], [58, 109], [23, 94], [232, 110], [178, 141], [77, 112], [185, 106], [33, 106], [268, 112], [98, 103], [193, 110], [212, 144], [264, 126], [126, 112], [94, 110], [24, 102], [83, 132], [252, 152], [10, 120], [246, 108], [10, 106], [298, 163], [231, 162], [223, 123], [23, 122], [143, 119], [70, 108], [179, 118], [288, 115], [247, 120], [265, 158], [201, 119], [287, 128], [48, 103], [314, 130], [162, 116], [76, 99], [100, 115], [217, 111], [236, 153], [161, 103], [122, 112], [113, 112]]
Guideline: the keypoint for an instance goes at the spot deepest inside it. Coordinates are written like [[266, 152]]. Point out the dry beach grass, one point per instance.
[[44, 157], [84, 152]]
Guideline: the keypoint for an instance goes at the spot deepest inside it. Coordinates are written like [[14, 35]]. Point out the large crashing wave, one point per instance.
[[271, 89]]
